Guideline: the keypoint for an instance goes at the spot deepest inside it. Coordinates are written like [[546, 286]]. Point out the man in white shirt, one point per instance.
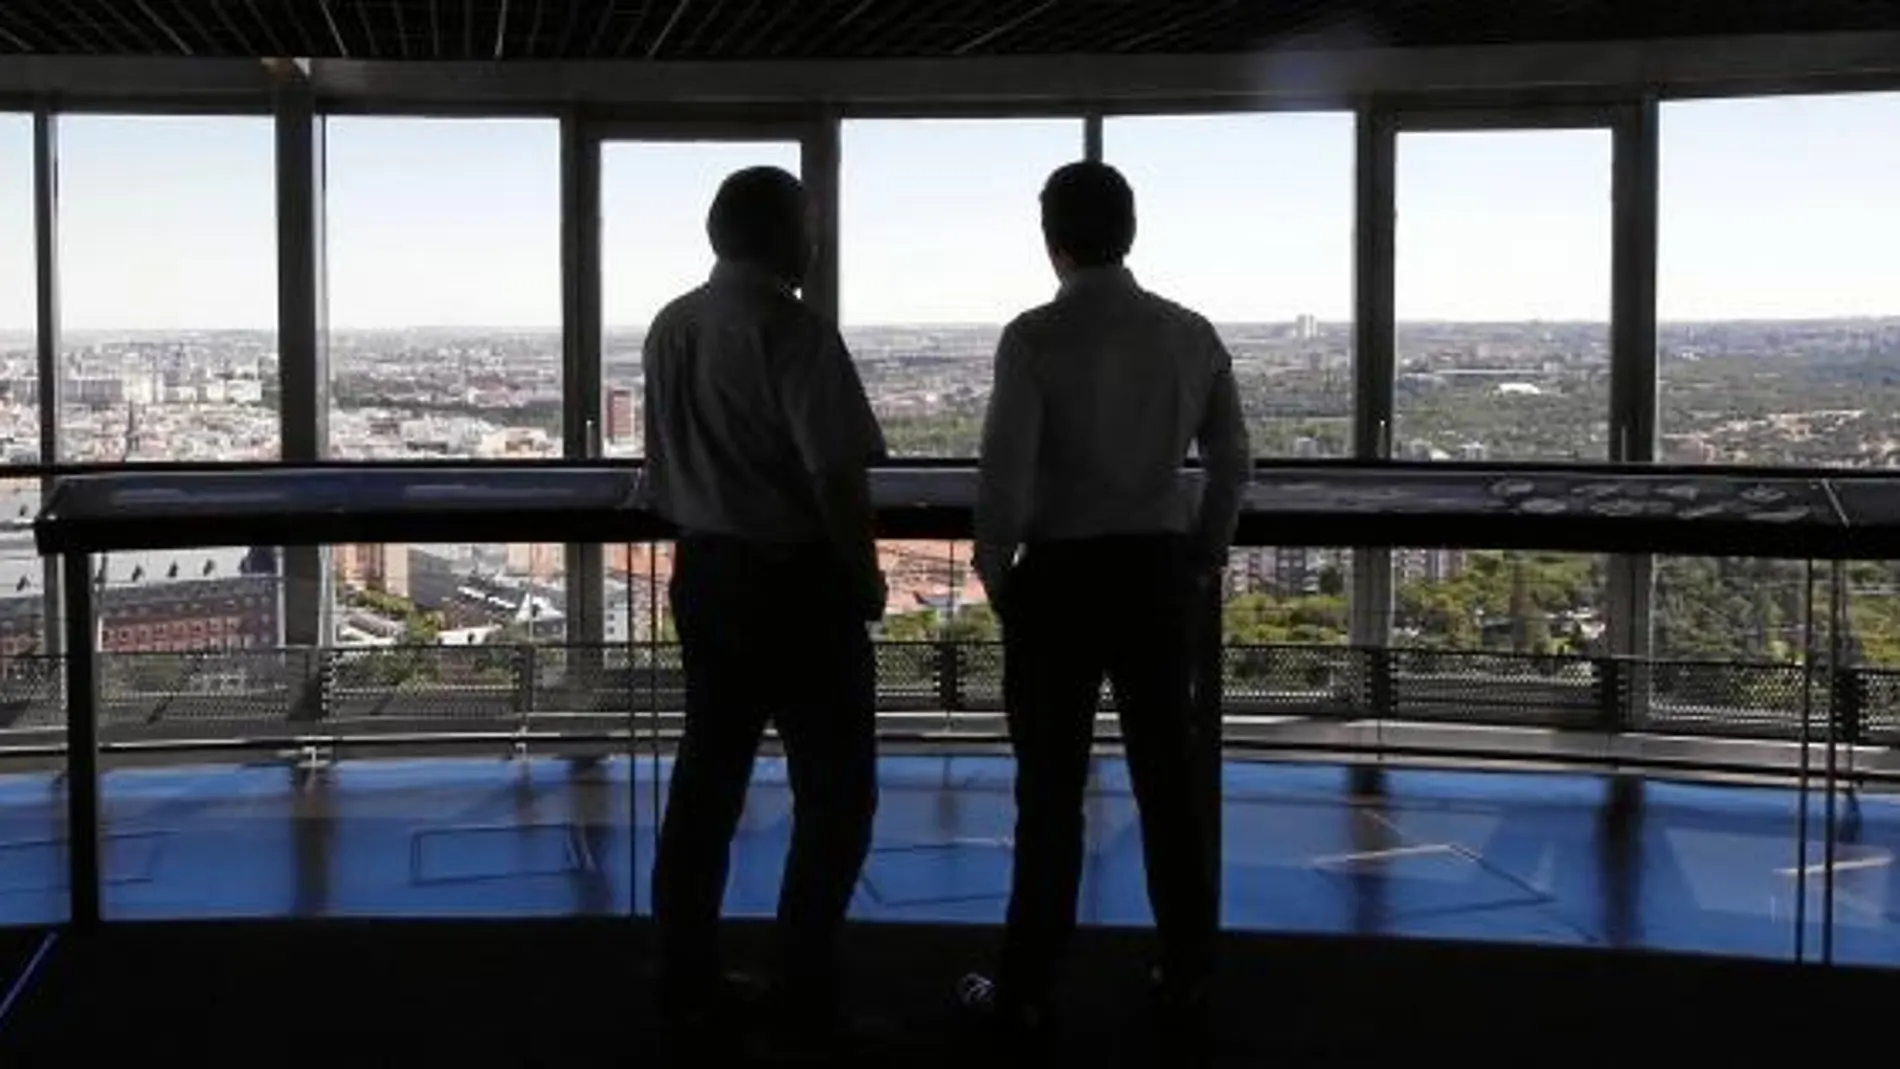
[[758, 439], [1095, 551]]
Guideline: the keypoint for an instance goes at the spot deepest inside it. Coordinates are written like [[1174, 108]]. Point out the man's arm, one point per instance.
[[1006, 475], [651, 453], [1226, 457], [837, 437]]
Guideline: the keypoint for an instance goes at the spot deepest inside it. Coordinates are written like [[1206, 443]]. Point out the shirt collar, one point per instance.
[[1089, 278], [738, 272]]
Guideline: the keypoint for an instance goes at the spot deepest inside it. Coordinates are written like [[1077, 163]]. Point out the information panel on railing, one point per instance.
[[1797, 514]]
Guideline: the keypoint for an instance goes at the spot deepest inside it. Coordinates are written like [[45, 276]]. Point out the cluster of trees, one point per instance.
[[417, 658], [970, 623]]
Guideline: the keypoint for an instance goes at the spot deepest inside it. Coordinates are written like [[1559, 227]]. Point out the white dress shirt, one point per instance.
[[749, 394], [1098, 397]]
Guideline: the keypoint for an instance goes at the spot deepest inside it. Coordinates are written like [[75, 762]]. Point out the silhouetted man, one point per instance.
[[1093, 552], [758, 436]]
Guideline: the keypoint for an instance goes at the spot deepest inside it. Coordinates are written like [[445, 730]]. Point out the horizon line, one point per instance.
[[503, 328]]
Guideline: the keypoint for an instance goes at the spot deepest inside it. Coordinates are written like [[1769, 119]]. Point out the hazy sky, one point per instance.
[[1777, 207]]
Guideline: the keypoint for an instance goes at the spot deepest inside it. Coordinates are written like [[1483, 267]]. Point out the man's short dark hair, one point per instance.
[[1088, 213], [758, 216]]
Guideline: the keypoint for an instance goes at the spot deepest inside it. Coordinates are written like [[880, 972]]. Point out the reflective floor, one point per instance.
[[1539, 857]]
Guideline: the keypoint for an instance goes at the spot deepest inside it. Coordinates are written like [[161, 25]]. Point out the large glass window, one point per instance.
[[19, 294], [1779, 342], [1248, 220], [21, 596], [168, 292], [1502, 297], [444, 312], [653, 201], [940, 244]]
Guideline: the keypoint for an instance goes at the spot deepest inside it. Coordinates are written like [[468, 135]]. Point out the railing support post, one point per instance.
[[1612, 681], [1378, 687], [82, 744], [307, 703], [1850, 697], [526, 668], [950, 676]]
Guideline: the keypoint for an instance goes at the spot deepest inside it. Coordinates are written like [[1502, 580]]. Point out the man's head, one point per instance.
[[1088, 216], [760, 217]]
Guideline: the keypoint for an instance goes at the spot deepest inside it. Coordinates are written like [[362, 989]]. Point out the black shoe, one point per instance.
[[988, 1007]]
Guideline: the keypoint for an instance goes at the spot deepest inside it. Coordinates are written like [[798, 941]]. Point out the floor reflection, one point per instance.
[[1571, 858]]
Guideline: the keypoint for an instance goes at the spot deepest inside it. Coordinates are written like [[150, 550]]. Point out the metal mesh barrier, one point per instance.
[[32, 701], [477, 687], [1292, 680], [1871, 705], [916, 676], [980, 676], [204, 695], [1485, 687], [1733, 699], [604, 692]]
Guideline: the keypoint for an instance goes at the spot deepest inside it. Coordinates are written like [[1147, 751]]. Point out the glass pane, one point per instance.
[[1503, 300], [168, 292], [1248, 220], [32, 727], [653, 248], [1503, 296], [444, 313], [924, 293], [1777, 342], [19, 295]]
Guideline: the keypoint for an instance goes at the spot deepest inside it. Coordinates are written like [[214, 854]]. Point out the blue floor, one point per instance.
[[1557, 858]]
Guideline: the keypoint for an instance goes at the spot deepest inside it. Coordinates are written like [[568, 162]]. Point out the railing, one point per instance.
[[277, 696]]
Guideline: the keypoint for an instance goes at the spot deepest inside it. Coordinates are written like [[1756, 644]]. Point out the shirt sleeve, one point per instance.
[[830, 419], [653, 450], [1012, 431], [1226, 454]]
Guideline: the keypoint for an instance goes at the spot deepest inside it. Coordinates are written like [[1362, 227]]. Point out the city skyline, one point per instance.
[[1771, 208]]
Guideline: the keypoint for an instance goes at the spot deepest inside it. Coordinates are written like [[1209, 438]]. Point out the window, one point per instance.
[[653, 247], [444, 312], [19, 295], [21, 570], [1248, 220], [1779, 342], [940, 244], [168, 291], [22, 594], [1502, 353]]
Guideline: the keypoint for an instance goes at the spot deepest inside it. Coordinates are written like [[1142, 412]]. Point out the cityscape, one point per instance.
[[1823, 392]]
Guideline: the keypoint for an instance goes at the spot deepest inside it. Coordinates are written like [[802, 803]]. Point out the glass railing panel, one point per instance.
[[448, 756]]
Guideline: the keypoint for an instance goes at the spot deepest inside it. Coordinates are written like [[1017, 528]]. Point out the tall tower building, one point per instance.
[[620, 415]]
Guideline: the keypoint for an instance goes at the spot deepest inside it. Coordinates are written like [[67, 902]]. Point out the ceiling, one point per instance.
[[870, 29]]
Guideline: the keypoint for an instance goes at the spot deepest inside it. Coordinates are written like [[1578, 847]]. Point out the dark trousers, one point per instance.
[[767, 634], [1076, 612]]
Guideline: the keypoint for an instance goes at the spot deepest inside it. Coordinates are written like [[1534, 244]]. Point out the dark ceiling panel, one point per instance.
[[868, 29]]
